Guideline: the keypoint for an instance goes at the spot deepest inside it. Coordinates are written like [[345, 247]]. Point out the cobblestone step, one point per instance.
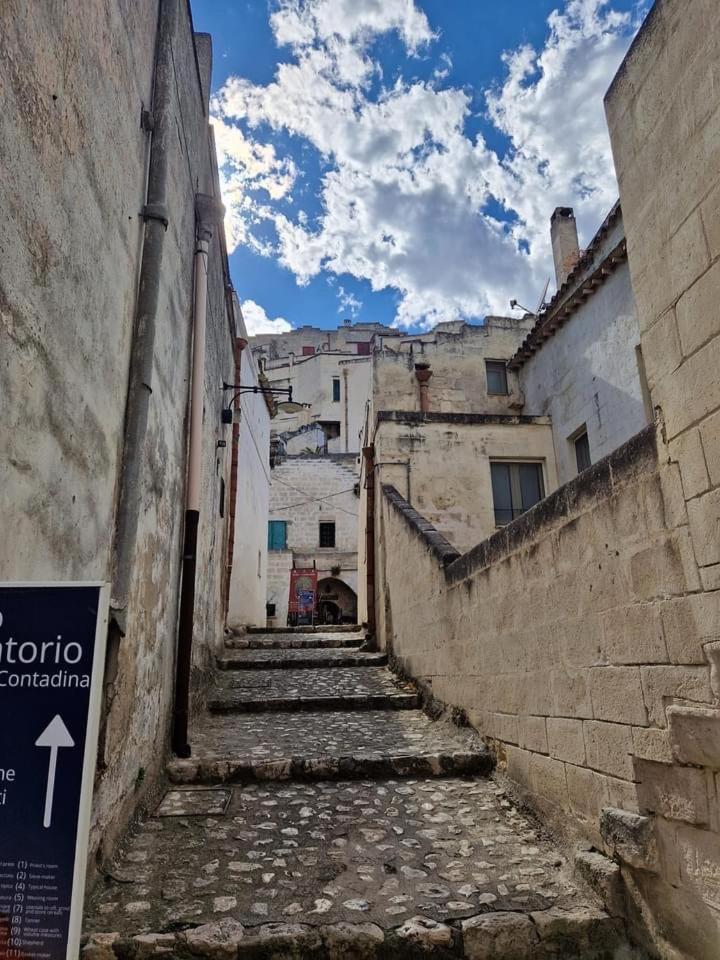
[[328, 745], [336, 688], [400, 869], [280, 659], [321, 628], [294, 641]]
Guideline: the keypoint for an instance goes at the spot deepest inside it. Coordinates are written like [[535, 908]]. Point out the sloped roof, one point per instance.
[[581, 284]]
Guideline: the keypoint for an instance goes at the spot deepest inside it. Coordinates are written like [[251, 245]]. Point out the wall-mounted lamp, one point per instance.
[[286, 406]]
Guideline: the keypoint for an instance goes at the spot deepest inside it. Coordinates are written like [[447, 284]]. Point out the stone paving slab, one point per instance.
[[314, 658], [339, 688], [293, 641], [437, 867], [320, 745]]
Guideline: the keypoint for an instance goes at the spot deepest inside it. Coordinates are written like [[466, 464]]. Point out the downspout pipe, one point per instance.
[[345, 398], [240, 344], [207, 211], [369, 455], [155, 215]]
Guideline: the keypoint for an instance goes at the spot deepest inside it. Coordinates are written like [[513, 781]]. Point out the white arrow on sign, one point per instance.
[[55, 735]]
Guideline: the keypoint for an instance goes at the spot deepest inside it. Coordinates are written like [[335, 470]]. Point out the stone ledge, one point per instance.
[[209, 772], [418, 417], [583, 932], [442, 549], [695, 735], [630, 837], [224, 703]]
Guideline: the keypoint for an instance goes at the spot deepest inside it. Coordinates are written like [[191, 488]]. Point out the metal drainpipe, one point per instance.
[[206, 213], [158, 121], [345, 395], [240, 344], [369, 454], [142, 351]]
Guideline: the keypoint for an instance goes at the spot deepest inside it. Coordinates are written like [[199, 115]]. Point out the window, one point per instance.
[[336, 389], [496, 373], [308, 351], [270, 609], [516, 487], [363, 349], [327, 534], [277, 535], [582, 451]]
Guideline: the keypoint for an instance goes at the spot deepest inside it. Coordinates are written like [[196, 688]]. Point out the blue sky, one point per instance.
[[398, 160]]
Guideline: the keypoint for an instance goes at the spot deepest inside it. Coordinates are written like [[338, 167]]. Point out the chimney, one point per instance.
[[423, 374], [565, 247]]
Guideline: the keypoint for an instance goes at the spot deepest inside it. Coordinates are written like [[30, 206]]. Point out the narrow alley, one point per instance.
[[360, 480], [324, 813]]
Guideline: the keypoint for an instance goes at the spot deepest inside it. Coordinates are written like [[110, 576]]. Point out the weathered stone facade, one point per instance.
[[664, 124], [76, 79]]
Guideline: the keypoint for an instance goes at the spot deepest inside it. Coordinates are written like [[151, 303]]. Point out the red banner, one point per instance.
[[303, 591]]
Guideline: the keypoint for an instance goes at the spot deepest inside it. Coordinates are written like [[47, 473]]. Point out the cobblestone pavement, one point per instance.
[[326, 852], [308, 688], [358, 845], [330, 744]]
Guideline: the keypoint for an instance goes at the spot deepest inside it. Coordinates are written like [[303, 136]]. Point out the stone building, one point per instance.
[[111, 221], [475, 424], [248, 551], [582, 638], [315, 459], [581, 364], [314, 524], [329, 372]]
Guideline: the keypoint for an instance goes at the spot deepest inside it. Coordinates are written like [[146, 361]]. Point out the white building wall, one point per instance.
[[248, 583], [587, 373]]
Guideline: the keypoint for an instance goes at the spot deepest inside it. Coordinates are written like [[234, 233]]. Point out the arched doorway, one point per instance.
[[337, 602]]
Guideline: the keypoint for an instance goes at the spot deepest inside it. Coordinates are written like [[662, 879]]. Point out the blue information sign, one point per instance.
[[52, 642]]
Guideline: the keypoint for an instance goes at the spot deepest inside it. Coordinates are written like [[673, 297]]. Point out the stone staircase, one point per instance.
[[324, 814]]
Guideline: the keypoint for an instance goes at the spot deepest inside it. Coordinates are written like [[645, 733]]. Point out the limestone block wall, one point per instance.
[[580, 642], [664, 119]]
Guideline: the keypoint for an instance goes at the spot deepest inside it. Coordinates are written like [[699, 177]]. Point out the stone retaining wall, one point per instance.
[[579, 642]]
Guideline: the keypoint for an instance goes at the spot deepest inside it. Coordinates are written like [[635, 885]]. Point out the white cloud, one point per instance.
[[301, 23], [349, 303], [406, 193], [257, 321]]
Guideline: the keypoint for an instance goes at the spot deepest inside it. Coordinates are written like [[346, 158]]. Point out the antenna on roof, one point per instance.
[[544, 295], [514, 305]]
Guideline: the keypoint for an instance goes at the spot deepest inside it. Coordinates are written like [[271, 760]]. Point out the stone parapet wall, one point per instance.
[[579, 642]]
